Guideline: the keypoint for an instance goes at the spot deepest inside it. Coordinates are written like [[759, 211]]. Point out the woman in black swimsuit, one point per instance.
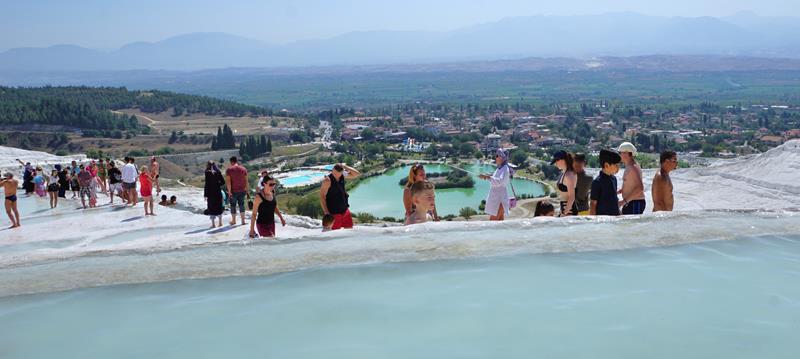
[[566, 183], [265, 208]]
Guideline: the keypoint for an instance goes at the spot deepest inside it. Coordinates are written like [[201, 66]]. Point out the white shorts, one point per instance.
[[115, 187]]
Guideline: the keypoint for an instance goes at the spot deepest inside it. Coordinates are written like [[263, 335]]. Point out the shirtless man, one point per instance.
[[155, 170], [632, 187], [662, 183], [10, 187]]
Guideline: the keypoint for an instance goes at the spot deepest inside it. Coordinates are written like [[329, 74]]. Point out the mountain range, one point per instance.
[[616, 35]]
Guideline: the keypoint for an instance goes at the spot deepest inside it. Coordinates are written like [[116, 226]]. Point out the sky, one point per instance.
[[109, 24]]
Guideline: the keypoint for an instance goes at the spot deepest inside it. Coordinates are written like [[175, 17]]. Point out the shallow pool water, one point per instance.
[[382, 195], [301, 178], [731, 299]]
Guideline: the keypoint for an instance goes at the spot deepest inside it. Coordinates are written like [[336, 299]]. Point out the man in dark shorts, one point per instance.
[[632, 190], [583, 185], [333, 195], [238, 188], [10, 188], [604, 187]]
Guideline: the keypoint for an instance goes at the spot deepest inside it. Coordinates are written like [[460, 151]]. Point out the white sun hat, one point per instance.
[[627, 147]]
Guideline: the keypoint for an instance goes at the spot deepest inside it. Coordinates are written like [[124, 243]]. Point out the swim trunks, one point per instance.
[[634, 207], [12, 198], [344, 220]]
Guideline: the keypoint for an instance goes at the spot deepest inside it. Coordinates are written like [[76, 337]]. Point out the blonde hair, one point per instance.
[[412, 174], [420, 187], [143, 169]]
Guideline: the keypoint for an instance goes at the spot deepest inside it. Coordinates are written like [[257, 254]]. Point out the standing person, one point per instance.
[[27, 177], [10, 187], [63, 181], [155, 173], [102, 175], [73, 179], [238, 188], [415, 174], [93, 170], [265, 207], [632, 187], [114, 182], [662, 183], [40, 182], [566, 183], [604, 187], [213, 194], [333, 195], [584, 184], [129, 176], [53, 188], [497, 202], [146, 188], [84, 181]]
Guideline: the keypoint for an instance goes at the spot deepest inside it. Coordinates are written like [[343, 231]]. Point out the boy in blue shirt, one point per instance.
[[604, 200]]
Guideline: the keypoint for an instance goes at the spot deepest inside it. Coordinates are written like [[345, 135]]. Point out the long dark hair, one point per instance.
[[570, 161]]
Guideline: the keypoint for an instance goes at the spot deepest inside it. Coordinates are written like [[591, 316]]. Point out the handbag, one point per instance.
[[512, 201]]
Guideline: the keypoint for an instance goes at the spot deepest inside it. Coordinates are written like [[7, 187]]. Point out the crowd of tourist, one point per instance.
[[86, 181], [577, 192]]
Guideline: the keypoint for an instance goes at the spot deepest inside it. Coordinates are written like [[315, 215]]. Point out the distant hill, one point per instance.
[[90, 108], [617, 34]]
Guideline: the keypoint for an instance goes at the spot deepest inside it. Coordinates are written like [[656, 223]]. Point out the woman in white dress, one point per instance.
[[497, 202]]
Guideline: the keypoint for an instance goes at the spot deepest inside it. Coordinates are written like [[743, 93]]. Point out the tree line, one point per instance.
[[90, 107], [254, 146]]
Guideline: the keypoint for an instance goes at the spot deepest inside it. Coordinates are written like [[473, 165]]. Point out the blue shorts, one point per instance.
[[634, 207], [237, 199]]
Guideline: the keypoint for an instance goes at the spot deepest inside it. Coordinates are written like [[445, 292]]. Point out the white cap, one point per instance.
[[627, 147]]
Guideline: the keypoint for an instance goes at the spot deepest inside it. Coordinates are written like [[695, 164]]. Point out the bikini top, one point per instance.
[[560, 184]]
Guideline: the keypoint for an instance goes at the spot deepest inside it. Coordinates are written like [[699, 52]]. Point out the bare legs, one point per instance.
[[132, 199], [13, 214], [219, 219], [501, 214], [53, 199], [148, 206]]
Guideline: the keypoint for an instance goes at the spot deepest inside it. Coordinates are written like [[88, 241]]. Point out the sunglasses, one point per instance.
[[272, 184]]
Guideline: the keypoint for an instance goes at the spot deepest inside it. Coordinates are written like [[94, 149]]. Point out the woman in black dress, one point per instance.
[[213, 193]]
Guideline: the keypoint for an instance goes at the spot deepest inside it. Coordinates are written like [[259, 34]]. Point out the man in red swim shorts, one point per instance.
[[333, 195]]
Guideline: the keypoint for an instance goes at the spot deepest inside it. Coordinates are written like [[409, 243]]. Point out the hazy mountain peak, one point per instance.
[[611, 34]]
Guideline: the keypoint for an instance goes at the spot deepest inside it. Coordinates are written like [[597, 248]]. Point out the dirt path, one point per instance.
[[148, 119]]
